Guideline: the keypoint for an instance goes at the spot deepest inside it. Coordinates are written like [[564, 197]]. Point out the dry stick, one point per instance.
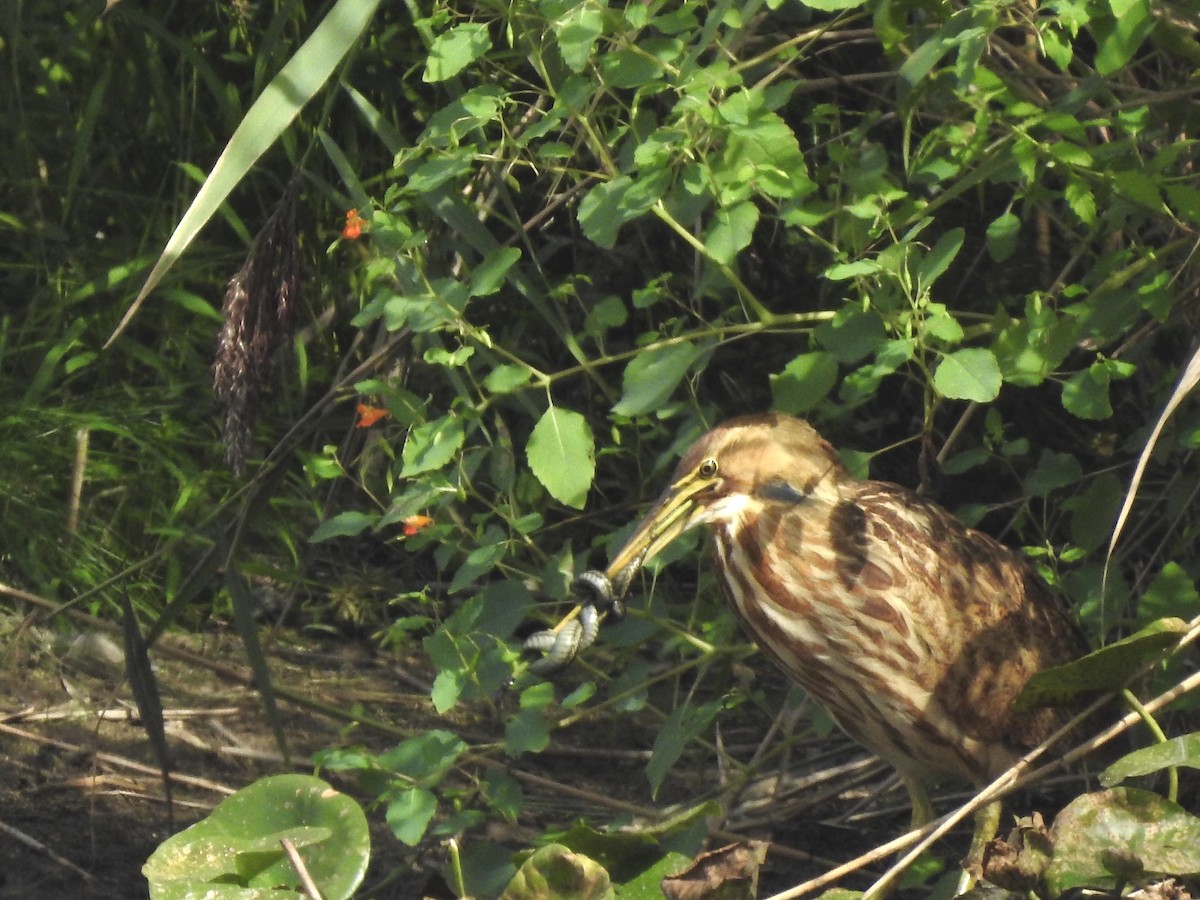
[[310, 886], [34, 843], [1015, 778], [114, 760]]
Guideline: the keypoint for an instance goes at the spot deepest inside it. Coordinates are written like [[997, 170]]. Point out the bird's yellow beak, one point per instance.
[[672, 514]]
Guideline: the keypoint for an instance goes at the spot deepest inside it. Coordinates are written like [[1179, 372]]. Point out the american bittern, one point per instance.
[[914, 631]]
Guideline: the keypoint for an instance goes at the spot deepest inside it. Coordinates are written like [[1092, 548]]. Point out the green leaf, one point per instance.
[[652, 376], [1103, 670], [555, 871], [431, 445], [1183, 750], [505, 379], [851, 334], [731, 231], [1094, 512], [1172, 593], [938, 260], [684, 723], [526, 732], [238, 844], [576, 26], [599, 215], [1002, 234], [846, 271], [562, 455], [1053, 471], [1085, 394], [804, 382], [344, 524], [970, 374], [1107, 838], [833, 5], [1119, 38], [487, 277], [410, 814], [454, 50]]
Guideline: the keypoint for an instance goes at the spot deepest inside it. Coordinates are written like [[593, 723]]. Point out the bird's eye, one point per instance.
[[708, 468]]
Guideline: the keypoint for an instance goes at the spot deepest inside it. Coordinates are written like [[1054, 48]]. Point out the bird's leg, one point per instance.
[[922, 815], [987, 821], [922, 809]]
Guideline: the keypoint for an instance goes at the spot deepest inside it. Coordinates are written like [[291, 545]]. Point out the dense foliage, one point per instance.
[[956, 237]]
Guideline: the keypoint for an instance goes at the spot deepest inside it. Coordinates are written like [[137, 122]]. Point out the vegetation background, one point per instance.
[[512, 259]]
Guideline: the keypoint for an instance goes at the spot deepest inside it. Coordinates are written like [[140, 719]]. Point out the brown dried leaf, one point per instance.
[[729, 873]]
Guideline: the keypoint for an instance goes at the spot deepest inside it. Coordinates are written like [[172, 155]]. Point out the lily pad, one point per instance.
[[236, 852]]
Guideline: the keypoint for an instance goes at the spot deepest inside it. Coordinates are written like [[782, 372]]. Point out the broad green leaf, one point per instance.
[[1094, 511], [507, 378], [852, 334], [431, 445], [1103, 670], [1080, 198], [846, 271], [344, 524], [969, 374], [562, 455], [555, 871], [938, 260], [454, 50], [1085, 394], [834, 5], [1119, 38], [684, 723], [804, 382], [599, 214], [731, 231], [237, 846], [1108, 838], [280, 102], [1171, 593], [1183, 750], [1053, 471], [652, 376], [576, 29], [526, 732], [1002, 234], [488, 276], [410, 813]]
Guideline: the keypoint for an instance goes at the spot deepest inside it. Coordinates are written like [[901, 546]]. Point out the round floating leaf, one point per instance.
[[236, 851], [562, 455], [1105, 838]]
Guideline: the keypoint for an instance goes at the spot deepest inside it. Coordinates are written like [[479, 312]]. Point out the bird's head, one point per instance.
[[741, 465]]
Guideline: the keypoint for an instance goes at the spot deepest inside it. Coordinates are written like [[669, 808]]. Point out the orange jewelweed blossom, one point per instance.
[[416, 524], [369, 415], [354, 225]]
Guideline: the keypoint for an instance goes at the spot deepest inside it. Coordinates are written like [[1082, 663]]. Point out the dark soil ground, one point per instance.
[[82, 801]]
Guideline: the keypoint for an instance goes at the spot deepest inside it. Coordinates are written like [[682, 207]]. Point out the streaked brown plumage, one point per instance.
[[914, 631]]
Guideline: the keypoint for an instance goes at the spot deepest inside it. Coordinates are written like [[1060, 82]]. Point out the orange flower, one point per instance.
[[354, 225], [369, 415], [416, 524]]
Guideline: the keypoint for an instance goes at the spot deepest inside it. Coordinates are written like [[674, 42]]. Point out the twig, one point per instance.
[[310, 886], [37, 845]]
